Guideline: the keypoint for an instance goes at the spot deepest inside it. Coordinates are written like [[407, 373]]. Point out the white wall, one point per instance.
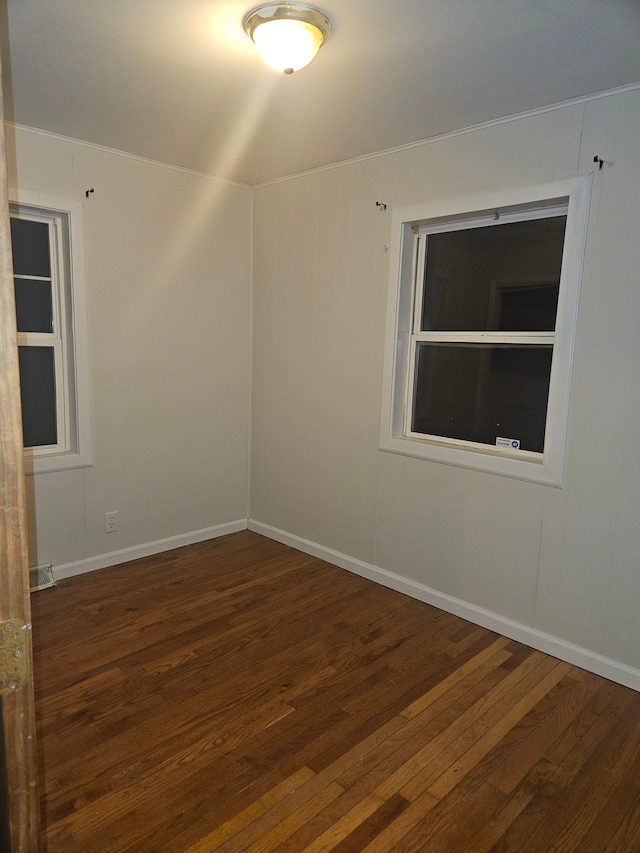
[[167, 285], [565, 562], [167, 257]]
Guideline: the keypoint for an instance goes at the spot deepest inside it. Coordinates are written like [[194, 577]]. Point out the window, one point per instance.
[[51, 341], [480, 330]]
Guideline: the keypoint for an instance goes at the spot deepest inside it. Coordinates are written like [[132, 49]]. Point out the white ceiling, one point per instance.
[[179, 81]]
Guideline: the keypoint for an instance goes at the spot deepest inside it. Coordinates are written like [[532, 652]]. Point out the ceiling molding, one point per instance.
[[620, 90], [127, 154]]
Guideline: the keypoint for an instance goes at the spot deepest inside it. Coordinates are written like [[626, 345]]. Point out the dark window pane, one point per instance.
[[528, 308], [501, 277], [34, 307], [481, 392], [30, 247], [38, 387]]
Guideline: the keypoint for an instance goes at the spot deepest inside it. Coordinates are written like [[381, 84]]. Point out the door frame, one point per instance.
[[17, 702]]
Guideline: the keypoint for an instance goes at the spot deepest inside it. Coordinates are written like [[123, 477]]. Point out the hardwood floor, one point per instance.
[[238, 695]]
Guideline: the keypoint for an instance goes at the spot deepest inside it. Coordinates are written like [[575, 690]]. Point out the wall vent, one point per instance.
[[41, 577]]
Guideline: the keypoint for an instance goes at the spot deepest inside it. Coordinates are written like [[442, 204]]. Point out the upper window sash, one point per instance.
[[421, 235]]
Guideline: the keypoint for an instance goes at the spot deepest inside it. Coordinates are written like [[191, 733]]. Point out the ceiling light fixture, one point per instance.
[[287, 35]]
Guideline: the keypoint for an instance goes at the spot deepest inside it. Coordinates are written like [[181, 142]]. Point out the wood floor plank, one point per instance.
[[492, 653], [446, 832], [539, 793], [615, 816], [491, 831], [562, 806], [347, 824], [569, 820], [276, 834], [390, 837], [437, 755], [627, 835], [370, 828], [242, 819], [240, 695], [553, 715], [420, 730], [482, 745]]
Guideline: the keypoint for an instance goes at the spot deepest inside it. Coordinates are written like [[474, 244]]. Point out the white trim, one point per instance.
[[394, 437], [251, 351], [78, 395], [96, 147], [577, 655], [517, 197], [451, 134], [114, 558], [544, 338], [583, 99]]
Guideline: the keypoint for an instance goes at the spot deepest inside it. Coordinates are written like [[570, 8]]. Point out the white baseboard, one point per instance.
[[114, 558], [592, 661]]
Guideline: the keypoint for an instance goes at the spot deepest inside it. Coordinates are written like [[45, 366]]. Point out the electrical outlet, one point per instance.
[[110, 522]]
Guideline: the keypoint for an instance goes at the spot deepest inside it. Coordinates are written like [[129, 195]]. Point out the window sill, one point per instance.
[[525, 467], [54, 462]]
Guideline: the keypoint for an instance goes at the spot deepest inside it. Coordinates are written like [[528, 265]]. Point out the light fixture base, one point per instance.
[[287, 11]]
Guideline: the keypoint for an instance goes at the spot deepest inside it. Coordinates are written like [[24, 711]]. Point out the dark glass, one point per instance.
[[528, 308], [500, 277], [30, 247], [34, 305], [38, 388], [479, 392]]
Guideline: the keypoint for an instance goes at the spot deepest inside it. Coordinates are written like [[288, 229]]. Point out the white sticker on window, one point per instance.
[[513, 443]]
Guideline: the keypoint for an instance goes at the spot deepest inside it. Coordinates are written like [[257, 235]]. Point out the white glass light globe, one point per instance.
[[287, 45]]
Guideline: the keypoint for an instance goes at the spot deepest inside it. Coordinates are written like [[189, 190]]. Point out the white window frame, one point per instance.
[[401, 334], [68, 338]]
